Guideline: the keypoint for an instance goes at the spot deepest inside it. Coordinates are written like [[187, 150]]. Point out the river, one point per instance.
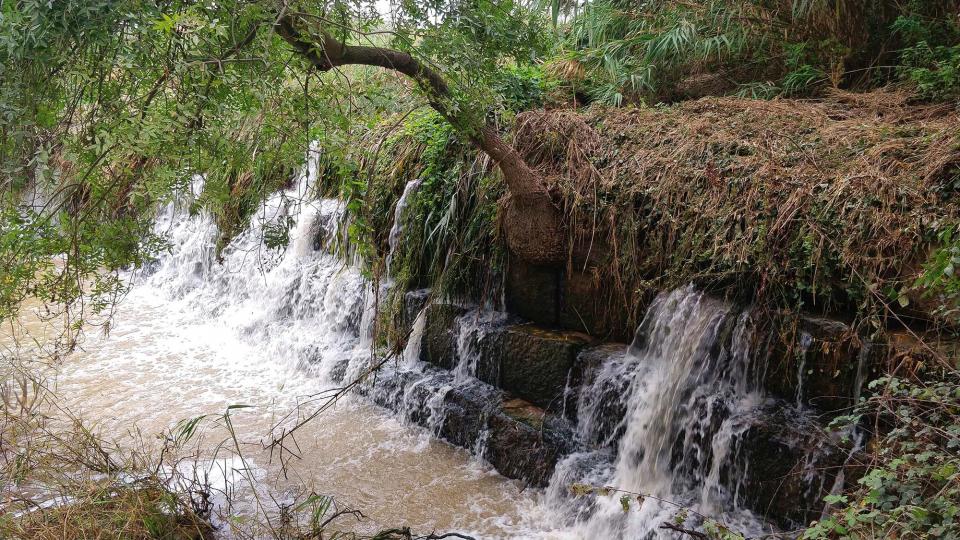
[[269, 333]]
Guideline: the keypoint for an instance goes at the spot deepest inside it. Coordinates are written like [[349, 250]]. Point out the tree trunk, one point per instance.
[[532, 224]]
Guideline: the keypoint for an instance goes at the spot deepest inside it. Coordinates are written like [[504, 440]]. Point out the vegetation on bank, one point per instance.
[[844, 201]]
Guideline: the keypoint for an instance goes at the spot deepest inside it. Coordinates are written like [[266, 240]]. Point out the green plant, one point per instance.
[[913, 488], [521, 88], [940, 278], [667, 51], [934, 71]]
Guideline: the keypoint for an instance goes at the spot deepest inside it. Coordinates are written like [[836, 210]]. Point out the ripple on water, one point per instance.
[[162, 364]]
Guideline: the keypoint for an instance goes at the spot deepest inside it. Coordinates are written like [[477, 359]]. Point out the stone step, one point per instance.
[[517, 438], [815, 361], [530, 362]]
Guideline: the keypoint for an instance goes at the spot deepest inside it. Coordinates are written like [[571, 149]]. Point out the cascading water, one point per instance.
[[396, 230], [665, 419], [280, 328], [676, 404], [281, 298]]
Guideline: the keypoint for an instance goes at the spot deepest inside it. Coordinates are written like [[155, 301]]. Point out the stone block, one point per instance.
[[532, 292], [787, 464], [535, 363], [439, 345], [817, 362]]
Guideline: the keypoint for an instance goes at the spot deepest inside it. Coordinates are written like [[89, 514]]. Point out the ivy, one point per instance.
[[913, 491]]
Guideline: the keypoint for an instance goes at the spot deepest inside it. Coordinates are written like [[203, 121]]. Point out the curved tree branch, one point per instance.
[[326, 52], [532, 222]]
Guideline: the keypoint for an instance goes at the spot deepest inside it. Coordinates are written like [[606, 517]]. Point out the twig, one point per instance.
[[690, 532]]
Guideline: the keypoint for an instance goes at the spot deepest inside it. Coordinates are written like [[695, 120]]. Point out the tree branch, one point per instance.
[[532, 222], [326, 53]]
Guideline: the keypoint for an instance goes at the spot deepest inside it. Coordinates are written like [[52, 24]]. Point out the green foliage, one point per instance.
[[521, 88], [930, 56], [108, 108], [652, 50], [666, 51], [913, 490], [449, 226], [935, 72], [449, 229], [940, 279]]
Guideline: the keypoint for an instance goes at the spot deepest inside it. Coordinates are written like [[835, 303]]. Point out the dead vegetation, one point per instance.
[[61, 481], [830, 205]]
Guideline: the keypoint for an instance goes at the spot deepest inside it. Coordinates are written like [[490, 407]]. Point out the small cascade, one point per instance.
[[855, 434], [664, 420], [420, 392], [472, 328], [805, 341], [396, 230], [670, 417], [301, 305]]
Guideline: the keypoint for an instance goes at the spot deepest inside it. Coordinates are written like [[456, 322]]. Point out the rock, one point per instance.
[[532, 292], [525, 442], [595, 373], [529, 361], [520, 440], [581, 304], [413, 303], [817, 362], [535, 363], [439, 344], [467, 410], [787, 463]]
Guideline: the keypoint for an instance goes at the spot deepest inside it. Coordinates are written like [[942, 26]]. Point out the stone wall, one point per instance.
[[529, 373]]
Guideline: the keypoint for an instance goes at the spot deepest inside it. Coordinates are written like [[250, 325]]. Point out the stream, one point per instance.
[[271, 332]]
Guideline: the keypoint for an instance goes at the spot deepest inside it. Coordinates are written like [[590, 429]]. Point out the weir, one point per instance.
[[679, 418]]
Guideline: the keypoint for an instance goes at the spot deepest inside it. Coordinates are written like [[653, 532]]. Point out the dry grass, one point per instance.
[[62, 481], [830, 205], [110, 512]]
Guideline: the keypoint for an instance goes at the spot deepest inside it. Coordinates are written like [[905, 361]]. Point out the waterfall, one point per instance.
[[675, 404], [393, 239], [666, 419], [301, 305]]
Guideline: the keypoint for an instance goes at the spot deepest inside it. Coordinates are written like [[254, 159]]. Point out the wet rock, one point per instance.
[[593, 374], [787, 464], [339, 370], [818, 362], [535, 363], [525, 442], [413, 303], [520, 440], [439, 344], [532, 292], [467, 410], [581, 303]]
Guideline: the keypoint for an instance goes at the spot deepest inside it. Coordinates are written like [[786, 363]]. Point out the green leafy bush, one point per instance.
[[645, 52], [913, 490], [521, 88], [934, 71]]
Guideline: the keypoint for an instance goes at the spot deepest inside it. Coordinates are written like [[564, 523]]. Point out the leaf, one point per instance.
[[834, 499], [579, 490], [625, 503]]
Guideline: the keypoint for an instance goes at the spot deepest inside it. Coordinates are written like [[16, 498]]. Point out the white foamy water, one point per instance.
[[664, 419], [265, 328], [277, 329]]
